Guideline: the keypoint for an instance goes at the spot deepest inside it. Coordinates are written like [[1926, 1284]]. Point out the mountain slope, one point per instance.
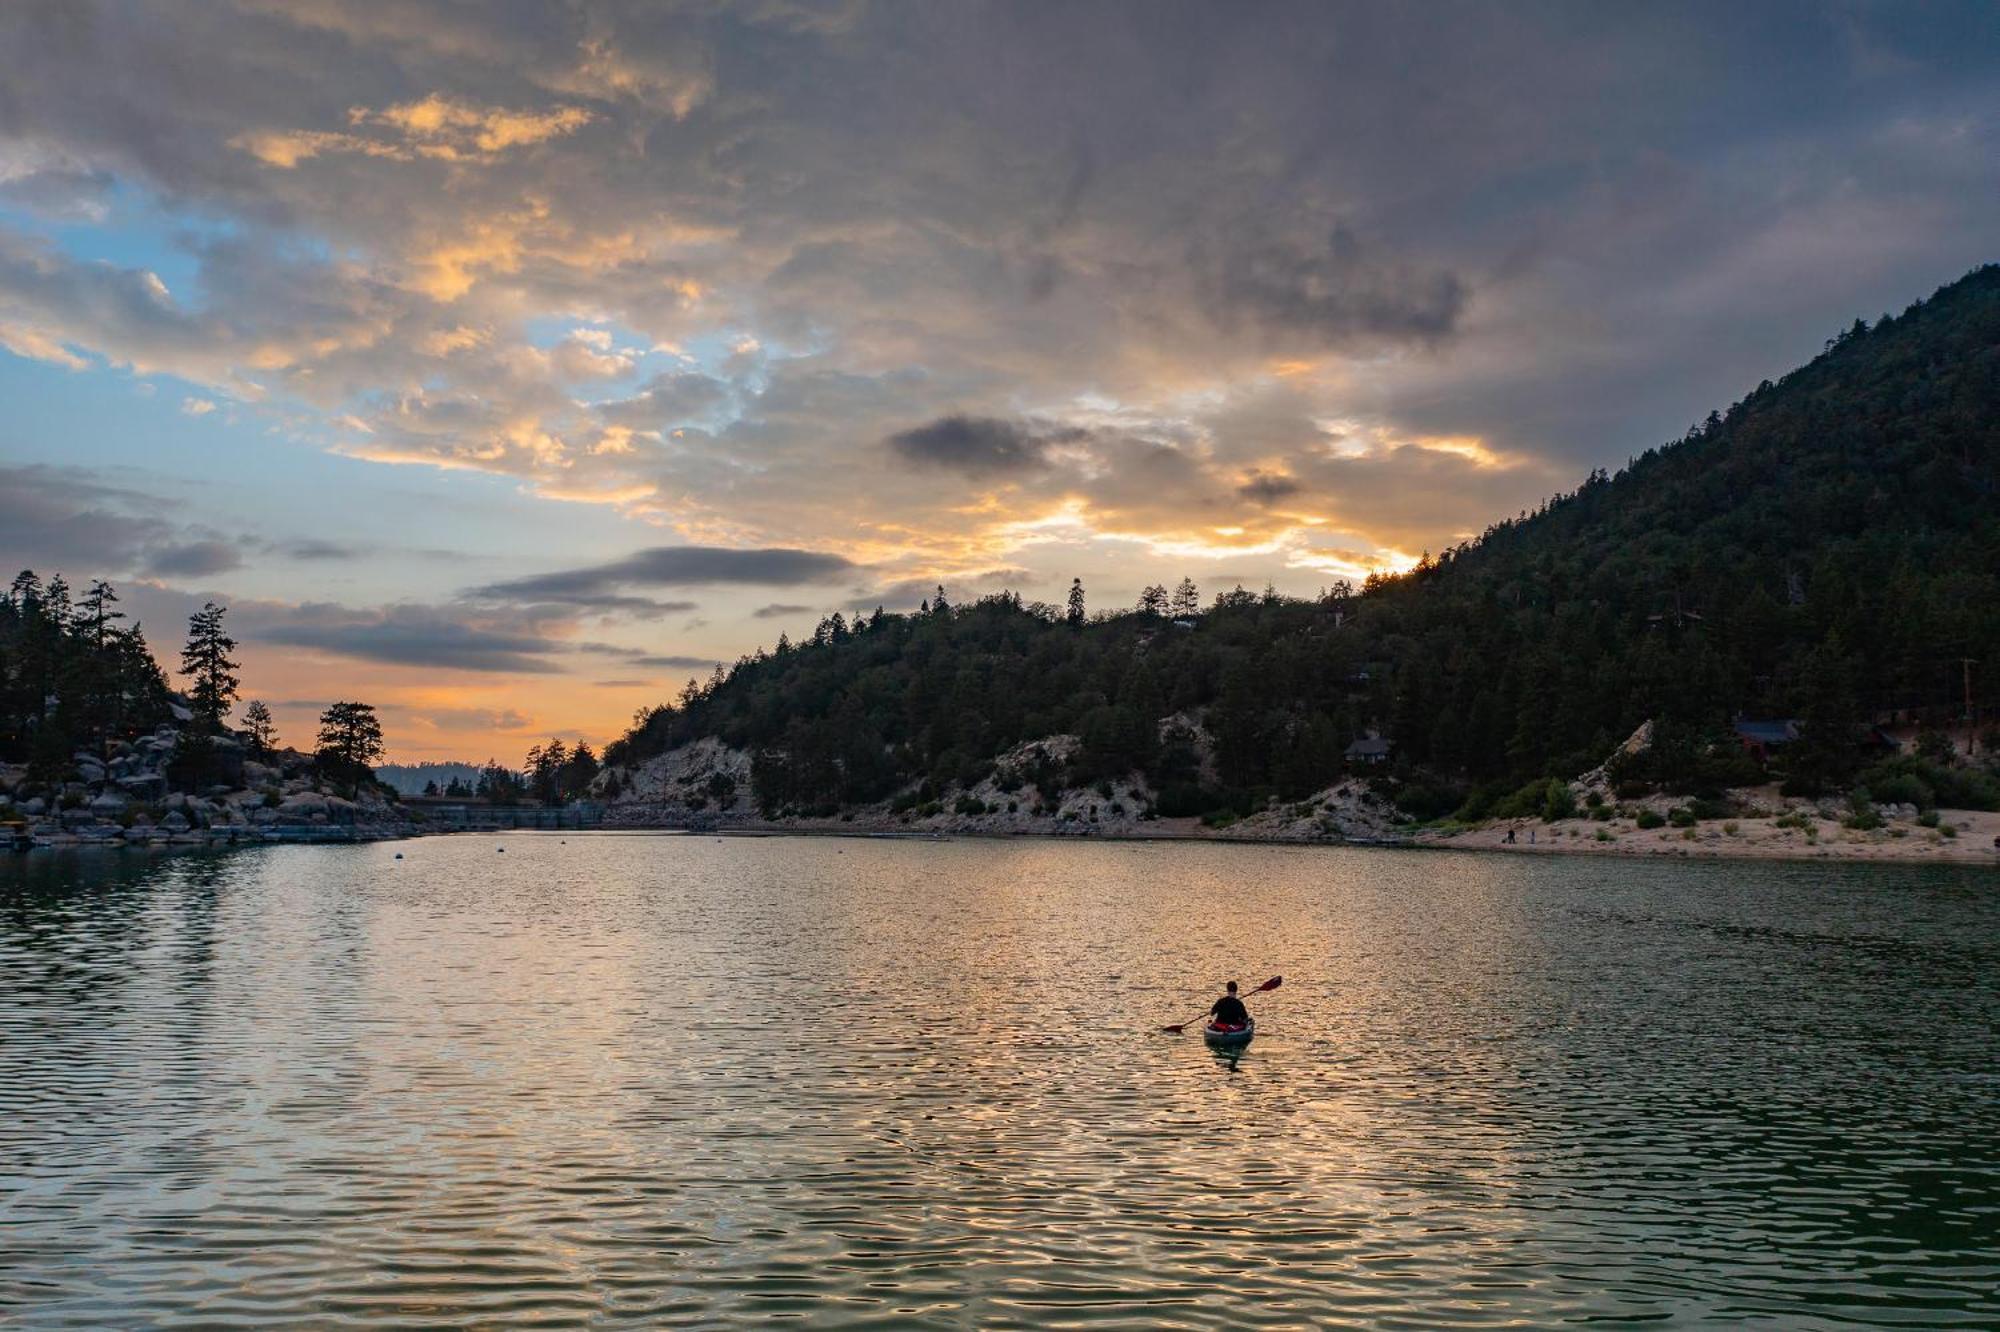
[[1828, 548]]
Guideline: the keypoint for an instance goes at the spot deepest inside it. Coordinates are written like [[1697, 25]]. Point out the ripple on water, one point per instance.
[[650, 1082]]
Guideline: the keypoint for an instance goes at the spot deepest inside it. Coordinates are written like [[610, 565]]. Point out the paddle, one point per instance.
[[1180, 1027]]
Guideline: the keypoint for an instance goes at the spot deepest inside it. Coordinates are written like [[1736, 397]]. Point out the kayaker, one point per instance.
[[1229, 1012]]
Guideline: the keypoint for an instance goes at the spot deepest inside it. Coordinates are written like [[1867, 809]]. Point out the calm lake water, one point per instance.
[[603, 1080]]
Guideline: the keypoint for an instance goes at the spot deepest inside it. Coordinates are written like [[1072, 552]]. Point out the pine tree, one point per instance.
[[257, 721], [1074, 610], [1187, 599], [95, 615], [206, 661], [350, 741]]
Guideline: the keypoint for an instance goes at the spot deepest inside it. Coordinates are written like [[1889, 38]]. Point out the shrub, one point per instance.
[[1950, 786], [1902, 788], [1424, 801], [1558, 801], [1218, 818], [1730, 829], [1633, 790], [1681, 817], [1865, 817], [1946, 830], [1709, 807], [1604, 836], [969, 804], [1595, 799], [1650, 818], [1929, 818]]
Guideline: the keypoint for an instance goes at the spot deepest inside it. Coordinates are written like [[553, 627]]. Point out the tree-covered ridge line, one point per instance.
[[1825, 550]]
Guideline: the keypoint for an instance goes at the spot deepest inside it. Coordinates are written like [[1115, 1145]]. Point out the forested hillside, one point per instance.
[[1827, 549]]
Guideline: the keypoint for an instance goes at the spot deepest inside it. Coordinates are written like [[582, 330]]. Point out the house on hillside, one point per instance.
[[1761, 737], [1369, 751]]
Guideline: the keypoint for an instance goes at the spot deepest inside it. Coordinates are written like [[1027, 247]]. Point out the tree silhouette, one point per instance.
[[206, 662]]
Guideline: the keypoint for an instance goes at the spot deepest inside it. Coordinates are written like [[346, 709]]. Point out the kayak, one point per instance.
[[1229, 1038]]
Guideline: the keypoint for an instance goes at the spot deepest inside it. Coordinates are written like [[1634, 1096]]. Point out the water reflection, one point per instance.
[[631, 1081]]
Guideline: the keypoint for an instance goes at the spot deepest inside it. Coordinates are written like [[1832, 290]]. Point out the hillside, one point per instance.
[[1827, 549]]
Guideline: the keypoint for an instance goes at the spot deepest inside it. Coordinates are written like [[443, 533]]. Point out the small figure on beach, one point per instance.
[[1509, 838]]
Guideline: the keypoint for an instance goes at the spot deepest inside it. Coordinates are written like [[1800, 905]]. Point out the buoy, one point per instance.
[[399, 855], [503, 850]]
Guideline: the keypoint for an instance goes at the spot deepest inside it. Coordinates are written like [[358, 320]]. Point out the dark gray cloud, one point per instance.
[[65, 518], [309, 549], [405, 635], [1330, 292], [194, 559], [673, 663], [1268, 489], [980, 445], [779, 610], [596, 586]]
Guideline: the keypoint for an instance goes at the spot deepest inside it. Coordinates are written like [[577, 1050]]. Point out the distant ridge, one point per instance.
[[411, 778]]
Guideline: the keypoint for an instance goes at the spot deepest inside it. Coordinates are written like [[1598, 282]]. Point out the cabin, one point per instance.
[[1761, 737], [1369, 751]]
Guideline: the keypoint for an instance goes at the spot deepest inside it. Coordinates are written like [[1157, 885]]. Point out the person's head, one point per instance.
[[1231, 987]]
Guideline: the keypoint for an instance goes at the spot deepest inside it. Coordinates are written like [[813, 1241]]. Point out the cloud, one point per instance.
[[779, 610], [195, 559], [1267, 489], [672, 566], [676, 663], [196, 406], [407, 635], [312, 549], [54, 518], [434, 127], [978, 445], [1330, 292]]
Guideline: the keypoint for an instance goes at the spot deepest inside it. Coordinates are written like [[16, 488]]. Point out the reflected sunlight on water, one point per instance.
[[643, 1081]]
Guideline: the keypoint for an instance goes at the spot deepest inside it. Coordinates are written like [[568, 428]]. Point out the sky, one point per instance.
[[505, 364]]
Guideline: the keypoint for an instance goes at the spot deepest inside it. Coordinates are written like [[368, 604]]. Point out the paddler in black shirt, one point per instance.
[[1229, 1012]]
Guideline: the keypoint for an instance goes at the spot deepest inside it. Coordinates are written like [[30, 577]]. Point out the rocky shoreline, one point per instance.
[[705, 788], [122, 797]]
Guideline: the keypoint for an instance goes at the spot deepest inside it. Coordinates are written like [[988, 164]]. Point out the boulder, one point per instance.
[[35, 805], [110, 802], [174, 822], [144, 785]]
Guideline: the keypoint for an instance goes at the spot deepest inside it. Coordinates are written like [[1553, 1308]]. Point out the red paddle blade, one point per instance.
[[1270, 984], [1175, 1030]]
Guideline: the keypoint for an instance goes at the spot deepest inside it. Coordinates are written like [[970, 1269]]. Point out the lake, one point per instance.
[[638, 1081]]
